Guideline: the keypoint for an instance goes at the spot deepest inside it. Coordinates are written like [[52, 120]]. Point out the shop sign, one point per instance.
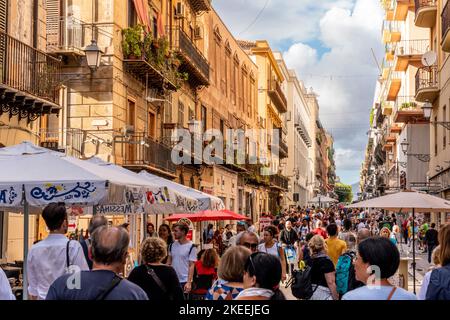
[[115, 209]]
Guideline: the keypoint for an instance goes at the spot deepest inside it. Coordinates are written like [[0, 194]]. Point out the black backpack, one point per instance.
[[301, 285]]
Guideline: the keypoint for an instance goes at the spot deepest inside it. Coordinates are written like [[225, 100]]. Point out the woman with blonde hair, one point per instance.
[[386, 233], [439, 287], [231, 274], [426, 279], [323, 273], [158, 280]]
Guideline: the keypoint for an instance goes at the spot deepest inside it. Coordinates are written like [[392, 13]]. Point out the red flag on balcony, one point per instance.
[[142, 12]]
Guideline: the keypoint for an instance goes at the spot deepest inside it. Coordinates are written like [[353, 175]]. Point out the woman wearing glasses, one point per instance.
[[262, 278], [271, 246], [230, 272]]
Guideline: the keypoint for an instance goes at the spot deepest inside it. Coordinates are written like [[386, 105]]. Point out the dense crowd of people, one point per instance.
[[323, 254]]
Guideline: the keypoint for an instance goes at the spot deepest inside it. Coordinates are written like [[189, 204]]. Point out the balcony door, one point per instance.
[[152, 125]]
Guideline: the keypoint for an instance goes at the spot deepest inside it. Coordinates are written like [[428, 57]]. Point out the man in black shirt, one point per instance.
[[431, 240]]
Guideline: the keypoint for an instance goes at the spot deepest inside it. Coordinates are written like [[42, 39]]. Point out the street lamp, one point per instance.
[[93, 55], [404, 146], [427, 108], [420, 156]]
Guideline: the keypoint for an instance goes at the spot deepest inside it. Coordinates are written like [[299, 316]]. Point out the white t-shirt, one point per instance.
[[181, 258], [5, 288], [272, 250], [378, 293]]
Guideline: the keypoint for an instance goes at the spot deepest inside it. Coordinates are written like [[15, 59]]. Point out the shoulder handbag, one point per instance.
[[157, 280], [67, 256], [114, 282]]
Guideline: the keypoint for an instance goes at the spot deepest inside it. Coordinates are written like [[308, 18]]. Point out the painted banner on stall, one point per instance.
[[85, 192], [10, 196]]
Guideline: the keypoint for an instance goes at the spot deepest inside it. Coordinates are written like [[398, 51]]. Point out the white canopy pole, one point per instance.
[[26, 216]]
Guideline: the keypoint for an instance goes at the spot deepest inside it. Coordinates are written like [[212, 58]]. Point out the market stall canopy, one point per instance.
[[407, 200], [157, 197], [322, 199], [206, 201], [208, 215], [47, 178]]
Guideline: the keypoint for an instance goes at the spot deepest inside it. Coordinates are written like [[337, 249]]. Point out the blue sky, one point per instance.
[[328, 43]]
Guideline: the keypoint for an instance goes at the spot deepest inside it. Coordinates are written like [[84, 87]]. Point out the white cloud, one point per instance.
[[281, 20], [344, 75]]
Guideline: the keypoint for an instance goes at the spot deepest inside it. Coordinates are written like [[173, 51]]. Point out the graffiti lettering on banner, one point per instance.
[[10, 196]]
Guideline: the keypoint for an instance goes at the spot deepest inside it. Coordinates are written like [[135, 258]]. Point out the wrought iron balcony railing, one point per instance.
[[29, 80], [194, 61], [200, 5], [279, 181], [427, 83], [141, 150]]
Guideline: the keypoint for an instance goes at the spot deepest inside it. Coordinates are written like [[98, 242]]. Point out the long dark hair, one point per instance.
[[267, 270], [170, 237]]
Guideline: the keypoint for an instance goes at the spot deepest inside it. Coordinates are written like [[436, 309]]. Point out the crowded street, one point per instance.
[[186, 151]]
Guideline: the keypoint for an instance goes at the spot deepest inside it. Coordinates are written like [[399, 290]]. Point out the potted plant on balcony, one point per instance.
[[147, 46], [132, 43]]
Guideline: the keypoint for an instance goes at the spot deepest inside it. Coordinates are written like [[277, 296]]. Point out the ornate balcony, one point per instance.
[[426, 11], [278, 181], [193, 61], [29, 80], [200, 5], [301, 128], [66, 36], [277, 95], [141, 152], [407, 110], [409, 52], [427, 84]]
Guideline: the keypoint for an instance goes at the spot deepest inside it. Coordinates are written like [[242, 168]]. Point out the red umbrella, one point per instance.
[[208, 215]]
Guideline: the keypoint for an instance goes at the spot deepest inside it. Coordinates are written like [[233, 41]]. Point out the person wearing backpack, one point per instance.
[[182, 256], [322, 271], [345, 270], [271, 246], [109, 251]]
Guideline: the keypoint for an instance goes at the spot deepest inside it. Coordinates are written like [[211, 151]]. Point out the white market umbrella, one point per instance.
[[206, 201], [322, 199], [158, 198], [410, 200], [30, 176]]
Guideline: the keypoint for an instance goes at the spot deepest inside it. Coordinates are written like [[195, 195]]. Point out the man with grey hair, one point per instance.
[[363, 234], [109, 250], [96, 222], [248, 239]]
